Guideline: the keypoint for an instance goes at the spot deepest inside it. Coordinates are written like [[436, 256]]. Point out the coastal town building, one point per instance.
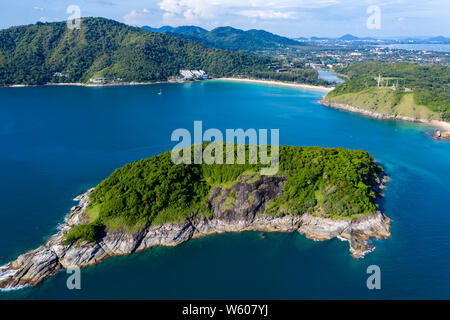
[[194, 74], [97, 80], [61, 74]]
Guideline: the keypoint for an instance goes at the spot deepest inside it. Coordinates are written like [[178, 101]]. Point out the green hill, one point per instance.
[[231, 38], [332, 182], [386, 101], [251, 41], [33, 54], [189, 31], [404, 88]]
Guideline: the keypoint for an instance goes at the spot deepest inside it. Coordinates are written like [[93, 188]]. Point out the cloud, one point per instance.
[[38, 8], [293, 17], [43, 19], [103, 2], [135, 16], [259, 9], [189, 9], [267, 14]]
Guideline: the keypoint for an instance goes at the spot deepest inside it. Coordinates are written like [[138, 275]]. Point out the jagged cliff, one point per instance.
[[245, 213]]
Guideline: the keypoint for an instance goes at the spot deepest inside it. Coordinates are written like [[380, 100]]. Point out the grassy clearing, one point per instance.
[[230, 201], [386, 101], [93, 213]]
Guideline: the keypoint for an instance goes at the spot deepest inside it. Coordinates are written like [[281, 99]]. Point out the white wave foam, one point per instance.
[[371, 248], [5, 275], [13, 289], [367, 251]]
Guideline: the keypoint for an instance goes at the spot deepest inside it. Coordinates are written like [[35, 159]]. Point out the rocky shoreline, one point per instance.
[[442, 134], [246, 214]]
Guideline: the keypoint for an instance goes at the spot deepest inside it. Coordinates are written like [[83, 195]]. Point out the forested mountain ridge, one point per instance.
[[230, 38], [50, 52], [184, 30]]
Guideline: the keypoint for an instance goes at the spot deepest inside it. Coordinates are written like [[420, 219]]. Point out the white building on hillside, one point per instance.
[[97, 80], [193, 74]]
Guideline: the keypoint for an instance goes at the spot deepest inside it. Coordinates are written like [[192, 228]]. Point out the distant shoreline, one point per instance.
[[80, 84], [269, 82], [277, 83]]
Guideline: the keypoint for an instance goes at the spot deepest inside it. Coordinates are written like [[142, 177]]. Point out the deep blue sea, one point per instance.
[[56, 142]]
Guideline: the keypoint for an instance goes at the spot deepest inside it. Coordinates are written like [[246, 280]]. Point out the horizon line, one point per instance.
[[361, 37]]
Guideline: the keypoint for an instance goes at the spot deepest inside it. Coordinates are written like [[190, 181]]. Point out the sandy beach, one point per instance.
[[440, 124], [277, 83]]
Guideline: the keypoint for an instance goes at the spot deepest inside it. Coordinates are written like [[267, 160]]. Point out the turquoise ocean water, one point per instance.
[[58, 141]]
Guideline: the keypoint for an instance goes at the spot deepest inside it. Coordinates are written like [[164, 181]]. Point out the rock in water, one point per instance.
[[441, 135]]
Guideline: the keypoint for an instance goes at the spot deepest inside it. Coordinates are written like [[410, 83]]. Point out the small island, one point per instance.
[[323, 193]]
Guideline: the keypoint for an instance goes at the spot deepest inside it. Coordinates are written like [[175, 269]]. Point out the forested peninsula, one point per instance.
[[403, 91], [51, 53], [322, 193]]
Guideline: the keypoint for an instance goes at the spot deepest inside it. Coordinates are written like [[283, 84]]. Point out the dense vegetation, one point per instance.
[[430, 84], [106, 48], [333, 182], [231, 39]]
